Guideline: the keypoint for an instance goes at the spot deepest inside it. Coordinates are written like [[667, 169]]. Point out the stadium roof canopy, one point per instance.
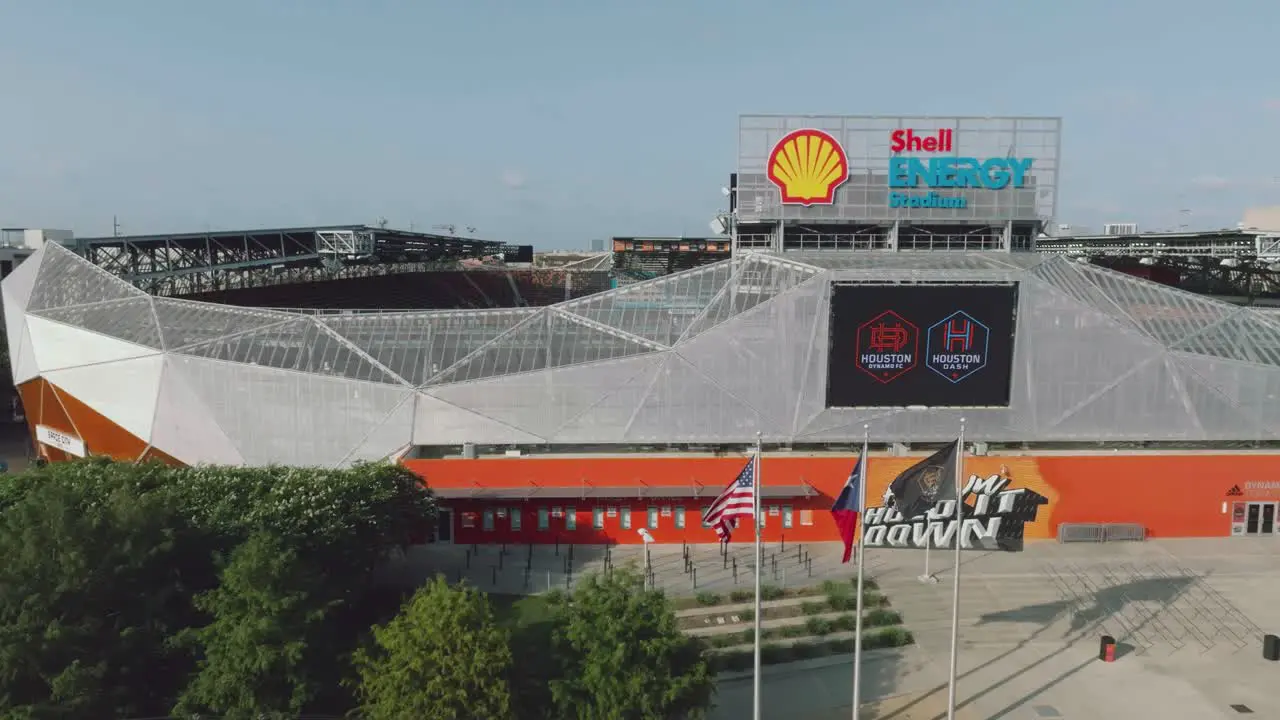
[[707, 356]]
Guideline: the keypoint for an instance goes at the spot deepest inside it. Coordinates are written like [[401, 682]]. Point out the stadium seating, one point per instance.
[[440, 290]]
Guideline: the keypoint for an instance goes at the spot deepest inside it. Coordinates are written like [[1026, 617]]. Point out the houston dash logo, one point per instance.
[[888, 346], [957, 346]]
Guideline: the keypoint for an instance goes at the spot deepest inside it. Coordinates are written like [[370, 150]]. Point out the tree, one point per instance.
[[258, 653], [444, 657], [89, 594], [105, 602], [626, 658]]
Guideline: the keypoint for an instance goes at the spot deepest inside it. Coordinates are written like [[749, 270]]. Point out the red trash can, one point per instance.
[[1107, 653]]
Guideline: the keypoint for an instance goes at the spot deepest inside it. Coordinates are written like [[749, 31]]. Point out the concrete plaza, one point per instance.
[[1189, 616]]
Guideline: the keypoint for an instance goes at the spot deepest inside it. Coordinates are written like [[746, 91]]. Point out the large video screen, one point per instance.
[[930, 345]]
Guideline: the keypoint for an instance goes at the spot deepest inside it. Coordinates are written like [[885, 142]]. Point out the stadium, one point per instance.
[[883, 276]]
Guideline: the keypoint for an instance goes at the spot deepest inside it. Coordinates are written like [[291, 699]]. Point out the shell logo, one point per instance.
[[807, 166]]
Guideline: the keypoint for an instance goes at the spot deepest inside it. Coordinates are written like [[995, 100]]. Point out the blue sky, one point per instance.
[[553, 122]]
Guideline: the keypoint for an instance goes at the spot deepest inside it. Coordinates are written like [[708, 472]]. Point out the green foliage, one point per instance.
[[813, 608], [773, 653], [89, 594], [443, 657], [259, 651], [108, 606], [817, 626], [833, 587], [741, 596], [771, 592], [708, 599], [626, 656], [358, 513], [881, 616]]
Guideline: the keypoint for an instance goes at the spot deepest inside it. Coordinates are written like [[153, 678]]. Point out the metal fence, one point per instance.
[[1101, 532]]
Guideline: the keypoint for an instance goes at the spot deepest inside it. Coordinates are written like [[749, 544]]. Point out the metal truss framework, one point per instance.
[[1240, 245], [183, 264], [711, 355], [1238, 263]]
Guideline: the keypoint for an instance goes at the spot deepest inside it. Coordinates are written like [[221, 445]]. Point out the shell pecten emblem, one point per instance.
[[807, 166]]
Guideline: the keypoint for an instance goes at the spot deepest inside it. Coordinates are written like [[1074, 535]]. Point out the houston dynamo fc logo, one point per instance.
[[888, 346], [807, 166], [957, 347]]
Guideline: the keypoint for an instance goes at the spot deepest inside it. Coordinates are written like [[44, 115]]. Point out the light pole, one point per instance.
[[648, 566]]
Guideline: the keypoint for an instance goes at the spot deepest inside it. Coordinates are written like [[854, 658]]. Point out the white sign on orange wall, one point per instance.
[[69, 444]]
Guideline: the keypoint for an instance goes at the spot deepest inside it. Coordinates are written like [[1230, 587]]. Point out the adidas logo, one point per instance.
[[1235, 491]]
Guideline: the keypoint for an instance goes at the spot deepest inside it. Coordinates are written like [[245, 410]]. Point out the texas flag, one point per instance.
[[848, 506]]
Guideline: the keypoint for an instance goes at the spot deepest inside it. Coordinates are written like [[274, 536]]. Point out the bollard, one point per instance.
[[783, 546], [548, 581], [467, 557], [684, 546], [695, 578], [726, 561], [735, 574], [568, 566], [502, 549], [557, 546], [809, 566], [571, 554], [799, 552], [495, 575], [499, 561]]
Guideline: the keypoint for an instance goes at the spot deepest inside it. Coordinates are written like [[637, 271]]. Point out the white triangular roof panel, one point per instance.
[[436, 422], [59, 346], [124, 391], [18, 285], [24, 359], [185, 427]]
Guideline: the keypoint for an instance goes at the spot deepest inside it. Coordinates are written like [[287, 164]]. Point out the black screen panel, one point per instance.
[[931, 345]]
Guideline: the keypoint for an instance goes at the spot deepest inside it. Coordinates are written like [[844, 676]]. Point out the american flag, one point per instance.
[[737, 500]]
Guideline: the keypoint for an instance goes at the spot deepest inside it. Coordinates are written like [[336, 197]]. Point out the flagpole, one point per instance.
[[927, 577], [955, 590], [857, 623], [755, 519]]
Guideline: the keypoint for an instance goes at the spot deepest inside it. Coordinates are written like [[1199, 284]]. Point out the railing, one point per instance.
[[1124, 532], [1101, 532]]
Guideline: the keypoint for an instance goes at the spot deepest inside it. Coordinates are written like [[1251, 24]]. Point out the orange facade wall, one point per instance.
[[1170, 495], [46, 404]]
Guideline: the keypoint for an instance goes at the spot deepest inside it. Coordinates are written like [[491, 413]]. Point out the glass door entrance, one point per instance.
[[1260, 519], [444, 526]]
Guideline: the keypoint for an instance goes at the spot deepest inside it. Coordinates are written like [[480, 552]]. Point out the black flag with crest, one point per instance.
[[929, 481]]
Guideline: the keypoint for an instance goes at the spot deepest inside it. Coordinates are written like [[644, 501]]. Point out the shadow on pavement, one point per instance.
[[1087, 614], [810, 690]]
